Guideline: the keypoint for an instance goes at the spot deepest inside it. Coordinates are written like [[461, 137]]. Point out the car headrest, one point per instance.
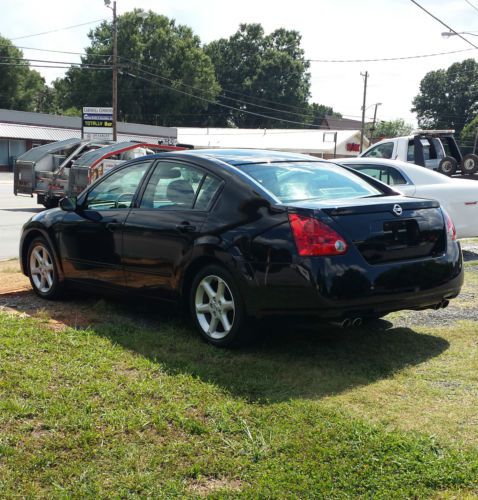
[[180, 192]]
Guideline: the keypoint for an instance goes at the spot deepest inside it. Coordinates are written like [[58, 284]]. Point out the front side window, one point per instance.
[[381, 151], [175, 186], [118, 189], [290, 182]]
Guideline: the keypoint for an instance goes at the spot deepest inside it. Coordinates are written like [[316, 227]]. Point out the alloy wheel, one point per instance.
[[42, 270], [214, 307]]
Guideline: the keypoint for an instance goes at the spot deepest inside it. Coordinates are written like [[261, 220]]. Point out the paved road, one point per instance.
[[14, 212]]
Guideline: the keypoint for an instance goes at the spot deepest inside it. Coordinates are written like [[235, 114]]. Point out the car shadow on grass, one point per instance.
[[288, 359]]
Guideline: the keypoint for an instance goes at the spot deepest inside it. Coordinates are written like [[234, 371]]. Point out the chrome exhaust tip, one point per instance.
[[346, 323], [441, 305], [357, 322]]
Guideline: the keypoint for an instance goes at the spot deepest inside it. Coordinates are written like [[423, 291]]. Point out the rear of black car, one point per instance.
[[357, 257], [391, 262]]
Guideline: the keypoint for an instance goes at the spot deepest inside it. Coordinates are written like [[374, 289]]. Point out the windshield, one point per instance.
[[291, 182]]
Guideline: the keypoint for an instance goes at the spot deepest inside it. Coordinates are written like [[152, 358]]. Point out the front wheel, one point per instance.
[[217, 308], [42, 270]]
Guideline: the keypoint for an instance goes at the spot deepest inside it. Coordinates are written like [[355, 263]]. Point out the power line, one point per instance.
[[382, 59], [45, 66], [74, 64], [56, 30], [57, 51], [223, 105], [230, 92], [235, 99], [444, 24], [471, 5], [309, 114]]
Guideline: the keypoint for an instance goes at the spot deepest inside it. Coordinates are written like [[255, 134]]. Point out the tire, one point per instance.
[[49, 202], [217, 308], [448, 166], [469, 164], [42, 270]]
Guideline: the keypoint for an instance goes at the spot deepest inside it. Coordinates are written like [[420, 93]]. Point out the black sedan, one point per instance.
[[240, 234]]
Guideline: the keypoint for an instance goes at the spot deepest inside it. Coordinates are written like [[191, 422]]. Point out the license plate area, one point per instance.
[[401, 233]]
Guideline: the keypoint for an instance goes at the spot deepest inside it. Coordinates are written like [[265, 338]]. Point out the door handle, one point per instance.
[[185, 227]]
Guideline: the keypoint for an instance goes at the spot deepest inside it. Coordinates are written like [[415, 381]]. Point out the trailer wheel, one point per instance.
[[50, 202], [448, 166], [469, 165]]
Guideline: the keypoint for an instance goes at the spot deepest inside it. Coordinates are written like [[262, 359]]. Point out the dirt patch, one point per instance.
[[206, 486], [11, 279], [17, 297]]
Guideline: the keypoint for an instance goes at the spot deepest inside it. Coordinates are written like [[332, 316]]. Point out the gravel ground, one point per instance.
[[464, 307]]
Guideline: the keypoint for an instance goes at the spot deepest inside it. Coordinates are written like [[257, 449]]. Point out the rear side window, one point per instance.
[[175, 186], [290, 182], [207, 193], [388, 175], [172, 186]]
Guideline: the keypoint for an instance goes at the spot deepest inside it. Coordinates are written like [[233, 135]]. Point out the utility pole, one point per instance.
[[362, 130], [115, 74]]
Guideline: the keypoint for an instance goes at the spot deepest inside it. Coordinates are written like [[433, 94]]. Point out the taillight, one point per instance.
[[313, 237], [450, 227]]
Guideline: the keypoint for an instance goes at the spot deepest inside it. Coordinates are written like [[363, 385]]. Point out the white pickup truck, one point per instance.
[[434, 149]]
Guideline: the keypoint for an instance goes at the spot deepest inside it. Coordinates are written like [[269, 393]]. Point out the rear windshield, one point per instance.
[[291, 182]]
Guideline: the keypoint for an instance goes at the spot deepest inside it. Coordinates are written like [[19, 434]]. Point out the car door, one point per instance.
[[91, 237], [159, 234]]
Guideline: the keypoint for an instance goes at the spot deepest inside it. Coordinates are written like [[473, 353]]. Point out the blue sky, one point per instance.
[[331, 29]]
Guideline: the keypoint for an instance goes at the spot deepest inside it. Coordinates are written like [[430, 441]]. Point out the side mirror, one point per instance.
[[68, 204]]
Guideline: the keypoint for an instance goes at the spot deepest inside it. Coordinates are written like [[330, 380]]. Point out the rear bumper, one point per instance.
[[342, 286]]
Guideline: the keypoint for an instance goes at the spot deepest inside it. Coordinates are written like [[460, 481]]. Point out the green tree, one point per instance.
[[391, 128], [468, 136], [20, 86], [261, 74], [448, 98], [319, 112], [165, 76]]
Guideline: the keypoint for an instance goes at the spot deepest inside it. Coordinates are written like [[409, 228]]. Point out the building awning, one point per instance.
[[12, 131], [37, 133]]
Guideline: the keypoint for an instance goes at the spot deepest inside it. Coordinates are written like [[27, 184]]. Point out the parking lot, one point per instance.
[[14, 212]]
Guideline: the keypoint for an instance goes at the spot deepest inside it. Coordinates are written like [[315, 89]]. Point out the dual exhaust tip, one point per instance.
[[441, 305], [357, 322], [349, 323]]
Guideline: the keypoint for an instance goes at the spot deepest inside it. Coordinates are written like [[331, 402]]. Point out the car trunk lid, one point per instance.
[[386, 228]]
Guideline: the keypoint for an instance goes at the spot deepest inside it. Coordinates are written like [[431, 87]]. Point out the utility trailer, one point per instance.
[[65, 168]]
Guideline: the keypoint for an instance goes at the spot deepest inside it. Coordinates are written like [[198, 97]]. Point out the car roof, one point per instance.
[[244, 156]]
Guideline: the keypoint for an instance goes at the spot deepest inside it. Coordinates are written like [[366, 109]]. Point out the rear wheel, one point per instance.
[[42, 270], [469, 165], [217, 308], [448, 166]]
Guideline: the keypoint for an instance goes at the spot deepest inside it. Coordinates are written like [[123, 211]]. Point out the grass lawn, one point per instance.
[[126, 407]]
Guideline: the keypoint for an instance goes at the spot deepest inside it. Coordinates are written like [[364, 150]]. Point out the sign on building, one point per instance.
[[97, 123]]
